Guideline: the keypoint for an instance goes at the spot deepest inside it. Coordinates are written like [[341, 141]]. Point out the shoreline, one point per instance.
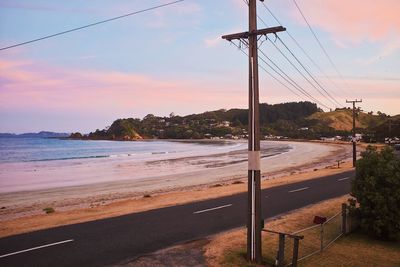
[[25, 203], [113, 199]]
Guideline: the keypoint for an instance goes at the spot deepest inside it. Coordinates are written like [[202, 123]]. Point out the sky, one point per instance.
[[174, 60]]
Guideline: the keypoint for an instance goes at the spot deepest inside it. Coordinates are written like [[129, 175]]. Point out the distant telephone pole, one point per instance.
[[354, 129], [254, 218]]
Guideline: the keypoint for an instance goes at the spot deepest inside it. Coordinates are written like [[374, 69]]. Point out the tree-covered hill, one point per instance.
[[294, 120]]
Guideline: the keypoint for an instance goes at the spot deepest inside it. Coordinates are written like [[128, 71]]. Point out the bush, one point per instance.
[[377, 191], [48, 210]]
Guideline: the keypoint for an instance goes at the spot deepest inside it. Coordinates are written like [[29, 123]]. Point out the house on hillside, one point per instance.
[[225, 123]]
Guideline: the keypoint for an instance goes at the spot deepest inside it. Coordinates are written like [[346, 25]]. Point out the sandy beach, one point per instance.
[[302, 157]]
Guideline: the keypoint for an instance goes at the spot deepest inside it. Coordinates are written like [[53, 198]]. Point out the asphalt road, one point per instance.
[[114, 240]]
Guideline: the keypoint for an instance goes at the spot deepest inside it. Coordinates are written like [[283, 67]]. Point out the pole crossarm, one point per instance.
[[246, 35], [354, 101]]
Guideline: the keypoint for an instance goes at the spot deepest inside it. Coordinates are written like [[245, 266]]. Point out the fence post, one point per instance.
[[295, 252], [322, 236], [281, 251], [344, 218]]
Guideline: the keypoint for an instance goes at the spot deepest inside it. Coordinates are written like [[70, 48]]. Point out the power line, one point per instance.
[[284, 76], [327, 93], [288, 79], [297, 69], [91, 25], [270, 74], [335, 103], [301, 89], [304, 51], [294, 40], [319, 42]]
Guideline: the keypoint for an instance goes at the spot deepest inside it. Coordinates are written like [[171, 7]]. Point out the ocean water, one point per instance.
[[49, 149]]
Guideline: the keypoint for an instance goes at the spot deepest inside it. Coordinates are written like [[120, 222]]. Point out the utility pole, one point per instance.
[[254, 226], [354, 129]]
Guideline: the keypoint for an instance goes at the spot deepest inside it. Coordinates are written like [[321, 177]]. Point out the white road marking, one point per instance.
[[298, 190], [35, 248], [216, 208], [342, 179]]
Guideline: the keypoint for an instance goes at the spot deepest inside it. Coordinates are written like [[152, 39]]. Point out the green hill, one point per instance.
[[294, 120], [121, 129]]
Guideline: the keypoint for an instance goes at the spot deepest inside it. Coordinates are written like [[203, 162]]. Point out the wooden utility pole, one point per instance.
[[254, 184], [354, 141]]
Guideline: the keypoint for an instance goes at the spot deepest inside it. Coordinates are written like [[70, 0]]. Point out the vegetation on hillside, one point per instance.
[[121, 129], [389, 127], [377, 191], [342, 119], [302, 120]]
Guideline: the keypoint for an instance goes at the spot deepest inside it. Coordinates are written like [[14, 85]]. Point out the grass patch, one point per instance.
[[357, 249], [236, 258], [49, 210], [239, 258]]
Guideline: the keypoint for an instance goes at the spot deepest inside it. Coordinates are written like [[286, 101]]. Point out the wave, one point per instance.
[[100, 156], [232, 146], [69, 158]]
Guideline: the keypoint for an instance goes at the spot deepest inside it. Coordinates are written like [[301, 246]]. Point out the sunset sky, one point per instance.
[[174, 60]]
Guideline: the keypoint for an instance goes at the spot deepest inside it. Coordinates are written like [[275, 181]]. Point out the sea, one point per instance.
[[51, 149]]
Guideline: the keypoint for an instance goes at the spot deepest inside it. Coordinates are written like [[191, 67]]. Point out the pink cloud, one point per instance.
[[355, 20], [28, 85], [39, 87]]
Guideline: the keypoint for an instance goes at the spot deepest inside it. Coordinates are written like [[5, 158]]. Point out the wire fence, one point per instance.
[[304, 243], [316, 238]]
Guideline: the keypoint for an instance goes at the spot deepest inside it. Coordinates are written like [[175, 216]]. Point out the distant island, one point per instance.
[[295, 120], [42, 134]]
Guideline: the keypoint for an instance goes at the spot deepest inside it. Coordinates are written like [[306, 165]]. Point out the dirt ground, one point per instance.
[[189, 254]]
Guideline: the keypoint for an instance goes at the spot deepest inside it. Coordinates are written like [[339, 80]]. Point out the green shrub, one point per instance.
[[377, 191], [48, 210]]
